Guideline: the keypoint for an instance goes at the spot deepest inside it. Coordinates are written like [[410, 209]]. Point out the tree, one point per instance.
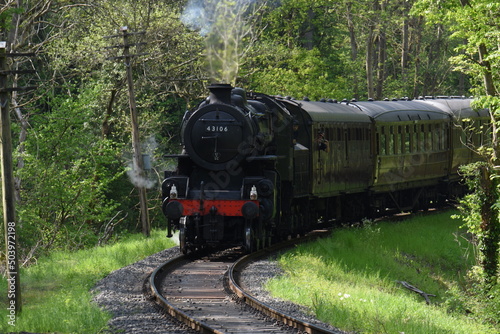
[[367, 49], [80, 100], [68, 175], [476, 22], [301, 52], [295, 72]]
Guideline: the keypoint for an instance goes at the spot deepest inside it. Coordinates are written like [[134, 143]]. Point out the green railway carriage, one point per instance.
[[469, 130], [358, 158], [412, 152], [337, 140]]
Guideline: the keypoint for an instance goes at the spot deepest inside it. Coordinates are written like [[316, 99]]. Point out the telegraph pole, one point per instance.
[[9, 217], [138, 163]]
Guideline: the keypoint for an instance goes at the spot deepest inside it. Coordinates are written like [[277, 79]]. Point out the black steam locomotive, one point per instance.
[[256, 168]]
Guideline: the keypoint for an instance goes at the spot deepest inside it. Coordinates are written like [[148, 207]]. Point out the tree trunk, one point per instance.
[[23, 134], [382, 52], [354, 50], [369, 62], [107, 127], [417, 41], [490, 225], [405, 48], [489, 84], [309, 33]]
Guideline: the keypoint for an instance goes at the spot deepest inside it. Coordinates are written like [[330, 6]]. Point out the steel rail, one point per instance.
[[233, 281], [232, 277], [169, 307]]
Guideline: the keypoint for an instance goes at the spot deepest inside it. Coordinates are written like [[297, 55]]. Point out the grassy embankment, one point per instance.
[[56, 291], [349, 280], [352, 279]]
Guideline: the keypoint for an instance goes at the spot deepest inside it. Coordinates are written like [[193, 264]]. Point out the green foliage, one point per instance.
[[56, 291], [470, 205], [481, 207], [476, 23], [297, 72], [339, 34], [304, 23], [489, 102], [479, 210], [351, 279], [6, 17], [66, 176], [302, 52]]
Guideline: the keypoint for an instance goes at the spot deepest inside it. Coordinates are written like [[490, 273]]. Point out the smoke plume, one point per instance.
[[138, 180], [224, 24]]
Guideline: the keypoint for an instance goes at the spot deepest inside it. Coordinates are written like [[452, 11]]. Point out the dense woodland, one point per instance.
[[72, 136]]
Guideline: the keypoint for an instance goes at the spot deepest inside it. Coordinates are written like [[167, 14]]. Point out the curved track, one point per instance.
[[205, 294]]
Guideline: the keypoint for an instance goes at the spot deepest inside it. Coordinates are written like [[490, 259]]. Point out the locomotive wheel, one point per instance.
[[249, 239], [182, 236], [266, 238], [182, 240]]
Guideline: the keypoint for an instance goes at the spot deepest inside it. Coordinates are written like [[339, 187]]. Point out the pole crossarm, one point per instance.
[[121, 46], [17, 89], [127, 56]]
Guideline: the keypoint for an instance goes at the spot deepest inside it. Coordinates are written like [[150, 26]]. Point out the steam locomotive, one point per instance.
[[256, 168]]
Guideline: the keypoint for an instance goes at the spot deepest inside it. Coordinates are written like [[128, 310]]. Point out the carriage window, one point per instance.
[[398, 141], [428, 138], [466, 133], [407, 142], [420, 139], [437, 138], [480, 133], [446, 138], [389, 146], [414, 142], [383, 142], [486, 133], [379, 148], [347, 138]]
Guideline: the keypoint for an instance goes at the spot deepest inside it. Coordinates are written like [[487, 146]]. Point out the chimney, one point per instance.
[[220, 93]]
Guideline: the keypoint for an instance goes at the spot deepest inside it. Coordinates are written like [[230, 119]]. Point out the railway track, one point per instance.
[[205, 293]]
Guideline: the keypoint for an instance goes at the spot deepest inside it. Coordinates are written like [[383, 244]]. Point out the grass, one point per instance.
[[351, 279], [56, 295]]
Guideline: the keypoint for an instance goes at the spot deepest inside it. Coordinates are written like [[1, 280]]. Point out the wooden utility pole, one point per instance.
[[9, 216], [136, 143], [138, 163]]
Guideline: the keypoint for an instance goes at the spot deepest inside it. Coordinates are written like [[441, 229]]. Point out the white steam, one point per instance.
[[175, 237], [143, 180], [195, 16], [138, 180], [224, 24]]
